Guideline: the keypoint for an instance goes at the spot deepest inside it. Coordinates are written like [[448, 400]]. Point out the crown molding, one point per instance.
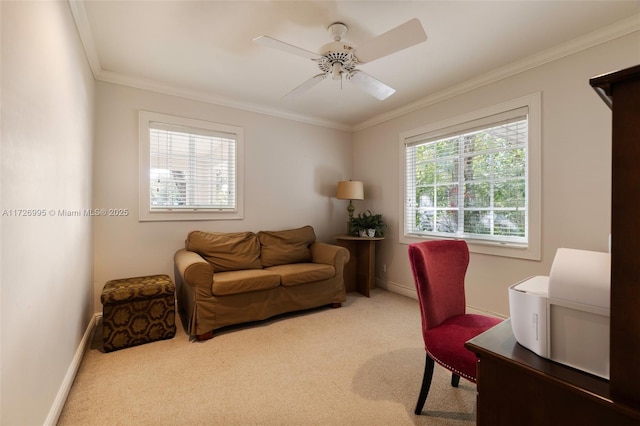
[[79, 14], [611, 32], [608, 33], [154, 86]]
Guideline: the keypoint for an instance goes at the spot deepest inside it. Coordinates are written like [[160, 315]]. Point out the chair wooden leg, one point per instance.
[[426, 384], [455, 380]]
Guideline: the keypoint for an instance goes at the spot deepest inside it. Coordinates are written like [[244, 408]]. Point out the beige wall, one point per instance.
[[46, 262], [576, 145], [53, 267], [291, 172]]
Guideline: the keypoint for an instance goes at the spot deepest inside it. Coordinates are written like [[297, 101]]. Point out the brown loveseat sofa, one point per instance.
[[231, 278]]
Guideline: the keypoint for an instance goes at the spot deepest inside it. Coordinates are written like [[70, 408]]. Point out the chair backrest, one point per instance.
[[439, 268]]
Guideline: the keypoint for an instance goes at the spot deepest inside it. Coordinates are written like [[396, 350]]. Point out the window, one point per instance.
[[189, 169], [476, 178]]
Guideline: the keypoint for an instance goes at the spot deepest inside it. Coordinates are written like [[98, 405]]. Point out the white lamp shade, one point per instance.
[[350, 190]]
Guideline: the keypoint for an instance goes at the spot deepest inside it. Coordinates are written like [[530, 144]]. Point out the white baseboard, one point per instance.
[[411, 292], [474, 310], [63, 392], [397, 288]]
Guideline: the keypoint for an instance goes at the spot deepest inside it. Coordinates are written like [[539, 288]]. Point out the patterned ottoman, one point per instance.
[[137, 310]]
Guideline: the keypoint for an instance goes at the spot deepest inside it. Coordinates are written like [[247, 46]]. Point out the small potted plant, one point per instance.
[[367, 224]]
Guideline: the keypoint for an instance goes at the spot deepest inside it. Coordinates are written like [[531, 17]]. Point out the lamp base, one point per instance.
[[350, 208]]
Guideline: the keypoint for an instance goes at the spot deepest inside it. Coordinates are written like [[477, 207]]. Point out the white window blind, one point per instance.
[[470, 180], [191, 168], [477, 177]]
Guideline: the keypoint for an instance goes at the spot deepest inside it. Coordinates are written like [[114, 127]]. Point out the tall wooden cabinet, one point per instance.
[[621, 91], [515, 386]]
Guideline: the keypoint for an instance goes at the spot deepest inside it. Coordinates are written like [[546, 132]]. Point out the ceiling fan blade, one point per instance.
[[307, 84], [406, 35], [371, 85], [277, 44]]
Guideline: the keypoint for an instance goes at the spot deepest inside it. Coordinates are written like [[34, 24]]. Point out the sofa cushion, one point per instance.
[[302, 273], [226, 251], [234, 282], [285, 247]]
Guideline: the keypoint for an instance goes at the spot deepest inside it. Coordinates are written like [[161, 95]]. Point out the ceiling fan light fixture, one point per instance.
[[336, 71]]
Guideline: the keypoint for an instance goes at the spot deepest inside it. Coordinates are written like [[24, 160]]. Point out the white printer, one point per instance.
[[565, 316]]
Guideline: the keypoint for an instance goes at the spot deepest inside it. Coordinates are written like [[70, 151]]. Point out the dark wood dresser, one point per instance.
[[517, 387]]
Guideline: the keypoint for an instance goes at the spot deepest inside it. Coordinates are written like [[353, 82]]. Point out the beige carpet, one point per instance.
[[360, 364]]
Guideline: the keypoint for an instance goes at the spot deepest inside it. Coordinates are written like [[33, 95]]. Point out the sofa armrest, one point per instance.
[[194, 270], [329, 254]]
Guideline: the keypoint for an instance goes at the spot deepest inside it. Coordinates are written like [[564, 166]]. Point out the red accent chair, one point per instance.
[[439, 268]]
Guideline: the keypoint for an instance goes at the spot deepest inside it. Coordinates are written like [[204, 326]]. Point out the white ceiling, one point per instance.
[[204, 49]]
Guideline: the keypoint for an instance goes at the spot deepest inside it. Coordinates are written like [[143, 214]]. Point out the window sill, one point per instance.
[[166, 216], [530, 252]]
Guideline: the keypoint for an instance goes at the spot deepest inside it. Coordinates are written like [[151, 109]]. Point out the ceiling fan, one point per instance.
[[340, 59]]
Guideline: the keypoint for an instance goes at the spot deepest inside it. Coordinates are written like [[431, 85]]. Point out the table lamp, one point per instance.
[[350, 190]]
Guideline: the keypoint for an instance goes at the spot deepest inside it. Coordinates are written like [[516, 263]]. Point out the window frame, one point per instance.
[[459, 124], [145, 213]]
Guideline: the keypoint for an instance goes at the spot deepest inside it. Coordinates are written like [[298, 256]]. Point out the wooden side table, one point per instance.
[[359, 272]]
